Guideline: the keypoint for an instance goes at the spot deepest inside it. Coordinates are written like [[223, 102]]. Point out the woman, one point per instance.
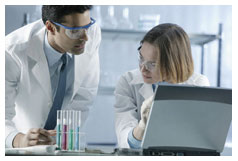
[[164, 56]]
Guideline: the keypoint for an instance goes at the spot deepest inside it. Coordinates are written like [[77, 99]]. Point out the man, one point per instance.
[[49, 66]]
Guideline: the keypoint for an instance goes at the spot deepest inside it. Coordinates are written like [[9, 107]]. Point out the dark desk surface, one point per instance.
[[89, 151]]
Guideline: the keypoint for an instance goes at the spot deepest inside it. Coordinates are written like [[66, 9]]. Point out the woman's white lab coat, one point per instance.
[[130, 93], [28, 95]]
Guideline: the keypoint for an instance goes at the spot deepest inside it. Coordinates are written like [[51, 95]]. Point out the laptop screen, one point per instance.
[[189, 117]]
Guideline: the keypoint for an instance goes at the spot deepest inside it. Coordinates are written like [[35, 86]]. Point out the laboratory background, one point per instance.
[[209, 29]]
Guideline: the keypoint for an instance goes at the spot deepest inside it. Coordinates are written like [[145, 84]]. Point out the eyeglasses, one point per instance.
[[76, 32], [150, 66]]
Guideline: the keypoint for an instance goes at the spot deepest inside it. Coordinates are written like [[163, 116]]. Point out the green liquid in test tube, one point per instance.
[[71, 137], [59, 129]]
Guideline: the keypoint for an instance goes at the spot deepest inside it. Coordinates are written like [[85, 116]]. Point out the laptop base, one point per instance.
[[179, 151]]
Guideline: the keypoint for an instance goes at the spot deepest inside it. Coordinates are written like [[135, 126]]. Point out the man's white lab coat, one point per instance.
[[28, 95]]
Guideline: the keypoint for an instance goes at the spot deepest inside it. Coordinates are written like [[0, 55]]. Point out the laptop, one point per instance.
[[188, 120]]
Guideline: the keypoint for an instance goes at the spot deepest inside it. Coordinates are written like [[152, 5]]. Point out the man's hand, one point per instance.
[[35, 136]]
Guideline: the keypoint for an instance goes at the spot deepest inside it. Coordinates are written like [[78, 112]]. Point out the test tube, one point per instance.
[[77, 128], [71, 130], [59, 129], [65, 128]]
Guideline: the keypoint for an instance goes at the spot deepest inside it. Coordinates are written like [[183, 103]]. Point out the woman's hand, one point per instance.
[[145, 110], [138, 131]]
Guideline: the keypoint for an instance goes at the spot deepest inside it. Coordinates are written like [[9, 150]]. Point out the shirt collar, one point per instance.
[[52, 55]]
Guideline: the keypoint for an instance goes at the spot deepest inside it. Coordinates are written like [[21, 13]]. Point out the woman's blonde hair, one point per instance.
[[174, 60]]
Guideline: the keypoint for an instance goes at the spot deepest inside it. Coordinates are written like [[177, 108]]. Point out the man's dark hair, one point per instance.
[[57, 12]]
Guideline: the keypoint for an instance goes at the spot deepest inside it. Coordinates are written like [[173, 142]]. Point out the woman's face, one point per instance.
[[148, 56]]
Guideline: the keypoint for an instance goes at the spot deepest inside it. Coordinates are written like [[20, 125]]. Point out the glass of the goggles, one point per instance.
[[148, 65], [76, 32]]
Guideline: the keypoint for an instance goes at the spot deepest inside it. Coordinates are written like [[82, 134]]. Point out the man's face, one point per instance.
[[66, 44]]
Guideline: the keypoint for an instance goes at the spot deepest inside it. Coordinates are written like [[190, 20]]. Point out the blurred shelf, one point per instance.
[[121, 31], [106, 90], [123, 34], [196, 39], [201, 39]]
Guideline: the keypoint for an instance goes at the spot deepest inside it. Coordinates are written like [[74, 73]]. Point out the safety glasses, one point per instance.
[[76, 32], [150, 66]]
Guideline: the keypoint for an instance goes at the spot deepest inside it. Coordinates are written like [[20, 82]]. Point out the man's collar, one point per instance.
[[52, 55]]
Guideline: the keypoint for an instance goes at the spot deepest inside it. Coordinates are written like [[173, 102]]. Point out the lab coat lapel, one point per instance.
[[146, 90], [40, 69]]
